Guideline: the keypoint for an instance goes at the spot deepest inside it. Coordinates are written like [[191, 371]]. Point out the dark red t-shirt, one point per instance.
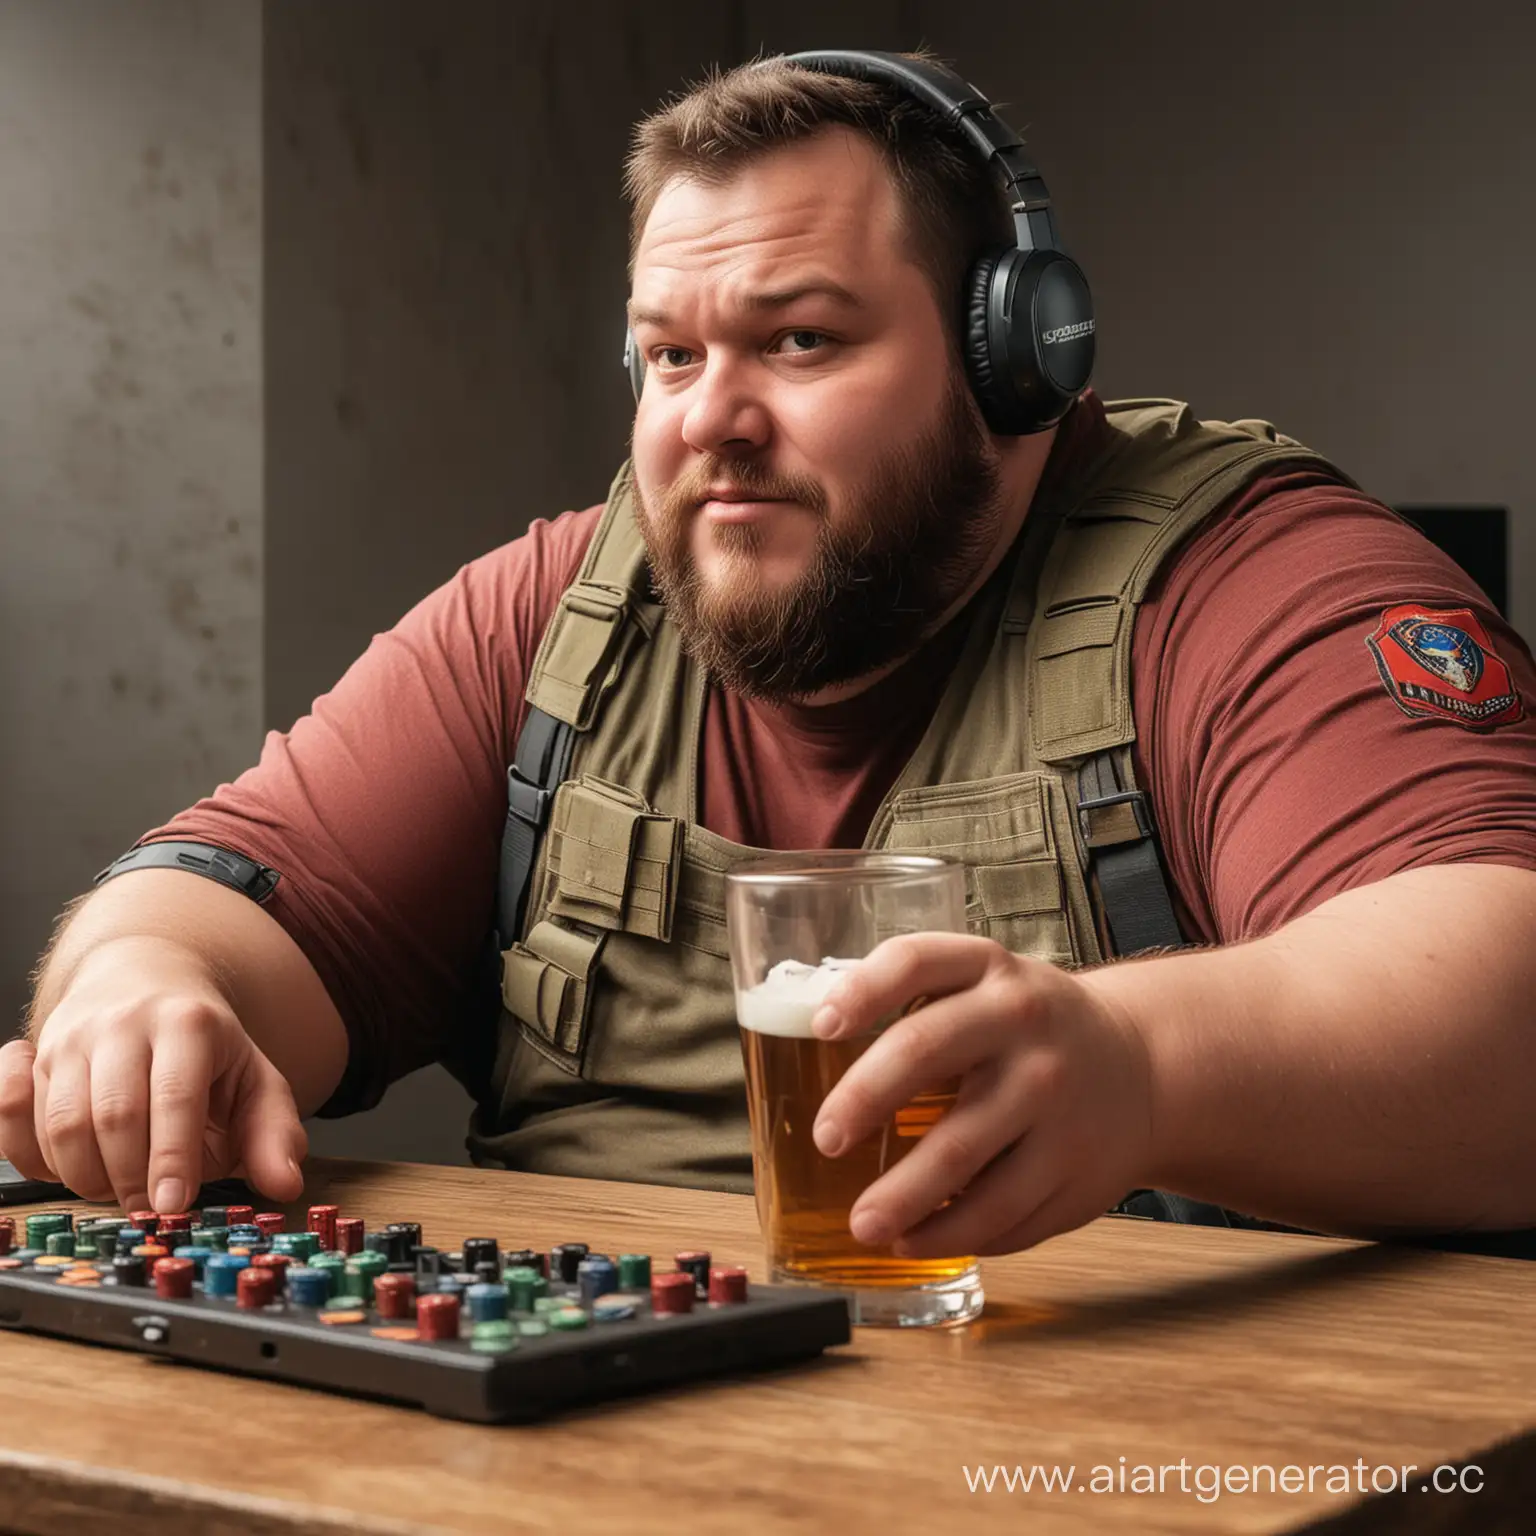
[[1281, 770]]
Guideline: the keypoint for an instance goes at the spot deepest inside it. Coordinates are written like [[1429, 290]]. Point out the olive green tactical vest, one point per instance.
[[618, 1054]]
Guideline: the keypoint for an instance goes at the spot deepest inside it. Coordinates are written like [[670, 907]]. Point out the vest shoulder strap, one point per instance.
[[1162, 475], [1118, 848], [577, 661]]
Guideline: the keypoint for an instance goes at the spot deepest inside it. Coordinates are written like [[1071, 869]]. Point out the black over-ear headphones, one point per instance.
[[1029, 330]]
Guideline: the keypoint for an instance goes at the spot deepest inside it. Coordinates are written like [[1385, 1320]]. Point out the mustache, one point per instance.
[[746, 476]]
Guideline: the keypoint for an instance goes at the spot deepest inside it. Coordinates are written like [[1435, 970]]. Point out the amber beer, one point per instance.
[[803, 1197], [796, 922]]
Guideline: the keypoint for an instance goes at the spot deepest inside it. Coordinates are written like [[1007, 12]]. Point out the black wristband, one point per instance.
[[232, 869]]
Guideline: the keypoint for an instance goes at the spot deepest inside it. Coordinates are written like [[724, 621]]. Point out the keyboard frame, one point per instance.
[[775, 1326]]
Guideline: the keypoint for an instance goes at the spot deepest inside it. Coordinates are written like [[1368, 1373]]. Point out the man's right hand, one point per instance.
[[142, 1085]]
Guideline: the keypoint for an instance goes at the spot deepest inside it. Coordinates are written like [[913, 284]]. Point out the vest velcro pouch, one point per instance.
[[546, 985], [613, 862], [579, 651]]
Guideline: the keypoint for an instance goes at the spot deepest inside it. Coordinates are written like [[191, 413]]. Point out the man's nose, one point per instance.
[[724, 414]]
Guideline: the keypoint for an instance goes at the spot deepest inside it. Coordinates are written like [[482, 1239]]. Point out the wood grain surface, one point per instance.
[[1126, 1339]]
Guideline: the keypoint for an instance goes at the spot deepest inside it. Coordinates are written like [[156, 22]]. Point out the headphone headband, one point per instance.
[[963, 107]]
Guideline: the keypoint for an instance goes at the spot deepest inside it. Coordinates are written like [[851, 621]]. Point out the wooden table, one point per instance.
[[1156, 1344]]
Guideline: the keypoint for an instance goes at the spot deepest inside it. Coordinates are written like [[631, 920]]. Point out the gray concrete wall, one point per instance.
[[1310, 212], [130, 430]]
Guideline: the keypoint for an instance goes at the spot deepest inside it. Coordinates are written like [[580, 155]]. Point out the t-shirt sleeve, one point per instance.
[[382, 808], [1282, 768]]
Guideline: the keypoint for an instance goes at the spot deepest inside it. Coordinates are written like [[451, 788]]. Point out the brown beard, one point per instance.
[[877, 584]]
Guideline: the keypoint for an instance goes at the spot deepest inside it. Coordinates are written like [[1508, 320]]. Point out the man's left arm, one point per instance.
[[1370, 1066]]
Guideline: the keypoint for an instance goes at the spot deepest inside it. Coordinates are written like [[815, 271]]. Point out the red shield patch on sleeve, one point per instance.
[[1438, 663]]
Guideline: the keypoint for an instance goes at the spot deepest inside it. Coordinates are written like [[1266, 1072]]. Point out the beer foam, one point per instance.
[[786, 1000]]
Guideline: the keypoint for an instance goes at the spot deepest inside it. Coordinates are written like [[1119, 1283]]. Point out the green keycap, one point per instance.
[[635, 1272], [216, 1238], [543, 1305], [43, 1225], [304, 1246], [494, 1337], [524, 1287], [531, 1328], [360, 1272], [566, 1317], [61, 1243]]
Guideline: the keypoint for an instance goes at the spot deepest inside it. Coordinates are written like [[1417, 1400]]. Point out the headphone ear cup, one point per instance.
[[634, 364], [1029, 338], [982, 367]]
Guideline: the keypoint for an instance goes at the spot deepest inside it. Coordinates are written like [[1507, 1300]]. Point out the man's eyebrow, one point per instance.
[[767, 299]]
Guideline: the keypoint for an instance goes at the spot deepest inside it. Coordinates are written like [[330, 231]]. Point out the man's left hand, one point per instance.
[[1052, 1123]]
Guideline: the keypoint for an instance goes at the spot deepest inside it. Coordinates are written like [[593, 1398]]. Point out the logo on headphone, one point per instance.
[[1068, 332]]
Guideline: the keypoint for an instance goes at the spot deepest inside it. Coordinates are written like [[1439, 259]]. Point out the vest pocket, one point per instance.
[[546, 987], [1002, 830], [613, 862]]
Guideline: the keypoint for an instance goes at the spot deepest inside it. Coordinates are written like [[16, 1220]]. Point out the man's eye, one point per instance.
[[673, 357], [803, 341]]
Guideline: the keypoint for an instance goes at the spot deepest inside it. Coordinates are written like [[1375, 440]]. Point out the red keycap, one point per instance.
[[727, 1283], [173, 1278], [255, 1288], [394, 1295], [672, 1291], [322, 1222], [437, 1316]]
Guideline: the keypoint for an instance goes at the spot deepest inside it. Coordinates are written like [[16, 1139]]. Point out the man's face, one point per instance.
[[816, 486]]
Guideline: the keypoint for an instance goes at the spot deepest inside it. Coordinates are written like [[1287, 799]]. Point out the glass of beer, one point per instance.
[[796, 922]]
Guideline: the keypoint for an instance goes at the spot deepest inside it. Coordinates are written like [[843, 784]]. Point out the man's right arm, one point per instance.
[[186, 1034], [179, 1029]]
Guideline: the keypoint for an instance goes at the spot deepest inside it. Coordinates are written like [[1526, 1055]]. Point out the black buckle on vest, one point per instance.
[[528, 802], [1131, 797]]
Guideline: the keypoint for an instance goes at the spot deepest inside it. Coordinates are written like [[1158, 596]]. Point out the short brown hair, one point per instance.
[[954, 204]]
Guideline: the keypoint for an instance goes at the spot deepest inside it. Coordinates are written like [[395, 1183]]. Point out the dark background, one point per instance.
[[375, 329]]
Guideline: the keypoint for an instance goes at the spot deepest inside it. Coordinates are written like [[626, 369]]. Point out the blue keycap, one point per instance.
[[487, 1303], [221, 1273], [595, 1277], [308, 1287], [198, 1254]]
